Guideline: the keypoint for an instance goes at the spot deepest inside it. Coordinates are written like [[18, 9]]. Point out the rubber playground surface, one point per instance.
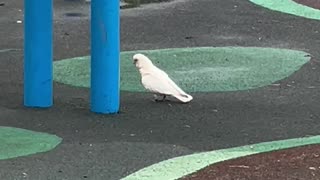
[[252, 67]]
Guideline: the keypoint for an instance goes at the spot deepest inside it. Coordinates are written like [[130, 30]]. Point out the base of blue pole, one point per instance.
[[38, 53], [105, 56]]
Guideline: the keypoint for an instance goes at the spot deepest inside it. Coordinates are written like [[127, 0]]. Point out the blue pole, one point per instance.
[[38, 53], [105, 50]]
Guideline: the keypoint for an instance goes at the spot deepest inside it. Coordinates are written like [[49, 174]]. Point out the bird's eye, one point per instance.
[[135, 60]]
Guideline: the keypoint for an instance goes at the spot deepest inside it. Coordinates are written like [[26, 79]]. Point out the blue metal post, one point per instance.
[[105, 50], [38, 53]]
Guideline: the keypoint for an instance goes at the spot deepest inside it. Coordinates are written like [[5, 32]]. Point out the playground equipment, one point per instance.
[[105, 52]]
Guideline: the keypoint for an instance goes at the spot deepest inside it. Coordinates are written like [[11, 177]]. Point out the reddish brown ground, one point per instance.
[[301, 163], [311, 3]]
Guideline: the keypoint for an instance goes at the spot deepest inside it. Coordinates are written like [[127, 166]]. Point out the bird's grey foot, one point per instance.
[[156, 99], [164, 97]]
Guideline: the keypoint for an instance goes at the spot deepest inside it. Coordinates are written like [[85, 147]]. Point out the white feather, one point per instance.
[[157, 81]]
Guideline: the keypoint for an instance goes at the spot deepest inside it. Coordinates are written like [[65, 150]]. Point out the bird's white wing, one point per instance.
[[163, 75], [157, 84], [178, 92], [164, 85], [157, 81]]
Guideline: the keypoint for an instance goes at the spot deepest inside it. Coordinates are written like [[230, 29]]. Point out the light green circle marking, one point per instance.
[[178, 167], [17, 142], [289, 7], [197, 69]]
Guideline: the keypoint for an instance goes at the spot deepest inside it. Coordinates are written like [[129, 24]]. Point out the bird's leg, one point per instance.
[[155, 97], [164, 97], [159, 100]]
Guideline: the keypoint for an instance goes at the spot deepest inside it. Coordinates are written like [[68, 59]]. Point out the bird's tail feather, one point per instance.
[[181, 95], [184, 97]]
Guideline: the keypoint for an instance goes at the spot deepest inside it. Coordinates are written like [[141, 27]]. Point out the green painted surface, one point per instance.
[[181, 166], [197, 69], [17, 142], [289, 7], [8, 50]]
